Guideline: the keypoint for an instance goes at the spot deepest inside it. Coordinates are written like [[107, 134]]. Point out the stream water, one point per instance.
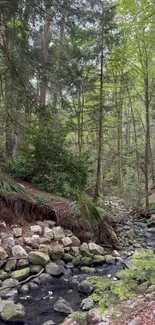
[[39, 303]]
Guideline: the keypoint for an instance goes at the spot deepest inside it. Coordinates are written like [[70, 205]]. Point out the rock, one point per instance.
[[44, 240], [60, 263], [35, 269], [98, 259], [24, 289], [11, 289], [87, 304], [86, 261], [93, 316], [75, 241], [135, 321], [36, 239], [84, 248], [38, 258], [67, 257], [89, 270], [62, 306], [48, 322], [13, 313], [45, 278], [96, 249], [153, 314], [17, 232], [77, 260], [66, 241], [3, 253], [36, 229], [9, 241], [44, 248], [18, 252], [48, 233], [32, 286], [70, 265], [22, 263], [54, 269], [21, 274], [75, 250], [85, 287], [50, 223], [110, 259], [4, 275], [57, 252], [130, 234], [58, 233], [10, 265], [115, 253]]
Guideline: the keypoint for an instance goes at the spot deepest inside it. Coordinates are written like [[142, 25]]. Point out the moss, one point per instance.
[[79, 317]]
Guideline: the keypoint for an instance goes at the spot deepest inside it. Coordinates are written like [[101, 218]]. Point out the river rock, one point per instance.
[[54, 269], [86, 261], [24, 289], [57, 252], [32, 286], [115, 253], [130, 234], [4, 275], [50, 223], [77, 260], [110, 259], [10, 265], [38, 258], [11, 289], [89, 270], [75, 250], [66, 241], [67, 257], [13, 313], [3, 253], [35, 269], [93, 316], [98, 259], [22, 263], [17, 232], [9, 241], [18, 252], [48, 322], [96, 249], [45, 278], [87, 304], [84, 248], [58, 233], [62, 306], [21, 274], [85, 287], [48, 233], [75, 241], [36, 229]]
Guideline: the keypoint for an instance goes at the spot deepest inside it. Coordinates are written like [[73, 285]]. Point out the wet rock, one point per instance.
[[24, 289], [89, 270], [36, 229], [48, 233], [98, 259], [62, 306], [21, 274], [10, 265], [66, 241], [9, 241], [110, 259], [38, 258], [85, 287], [75, 241], [45, 278], [95, 249], [58, 233], [11, 289], [60, 263], [54, 269], [35, 269], [17, 232], [3, 253], [86, 261], [93, 316], [87, 304], [13, 313], [32, 286], [69, 265], [18, 252], [22, 263]]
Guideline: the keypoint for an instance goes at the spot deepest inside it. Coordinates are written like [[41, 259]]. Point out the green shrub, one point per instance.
[[108, 291], [48, 162]]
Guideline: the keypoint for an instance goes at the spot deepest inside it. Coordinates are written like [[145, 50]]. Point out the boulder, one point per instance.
[[4, 275], [85, 287], [22, 263], [38, 258], [84, 248], [48, 233], [93, 316], [98, 259], [13, 313], [43, 278], [66, 241], [62, 306], [75, 250], [21, 274], [10, 265], [9, 241], [36, 229], [58, 233], [11, 289], [87, 304], [77, 260], [17, 232], [54, 269], [115, 253], [75, 241], [18, 252], [57, 252], [95, 249], [3, 253], [67, 257], [86, 261], [35, 269]]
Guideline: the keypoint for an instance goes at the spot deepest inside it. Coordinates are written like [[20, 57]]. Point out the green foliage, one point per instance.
[[7, 186], [41, 198], [79, 317], [152, 205], [84, 207], [48, 162], [107, 291]]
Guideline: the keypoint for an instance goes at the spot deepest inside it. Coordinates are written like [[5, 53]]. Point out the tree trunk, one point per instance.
[[147, 140]]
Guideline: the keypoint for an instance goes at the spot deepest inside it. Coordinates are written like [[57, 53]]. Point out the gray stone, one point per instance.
[[10, 265], [44, 248], [57, 252], [86, 261], [50, 223], [85, 287], [54, 269], [75, 241], [4, 275], [93, 316], [36, 229], [89, 270], [21, 274], [28, 241], [3, 253], [45, 278], [98, 259], [67, 257], [13, 313], [84, 248], [87, 304], [60, 263], [58, 233], [38, 258], [48, 233], [130, 234], [95, 249], [35, 269], [115, 253], [17, 232], [48, 322], [18, 252], [9, 241], [32, 286], [110, 259], [22, 263], [11, 289], [75, 250], [24, 289], [62, 306], [66, 241], [77, 260]]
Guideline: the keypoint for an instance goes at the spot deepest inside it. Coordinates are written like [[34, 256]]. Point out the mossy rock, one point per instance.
[[21, 274]]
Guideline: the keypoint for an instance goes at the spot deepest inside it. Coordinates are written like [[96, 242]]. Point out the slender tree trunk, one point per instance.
[[147, 139]]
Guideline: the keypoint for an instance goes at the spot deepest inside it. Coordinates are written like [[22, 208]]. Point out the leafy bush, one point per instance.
[[108, 291], [48, 162]]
